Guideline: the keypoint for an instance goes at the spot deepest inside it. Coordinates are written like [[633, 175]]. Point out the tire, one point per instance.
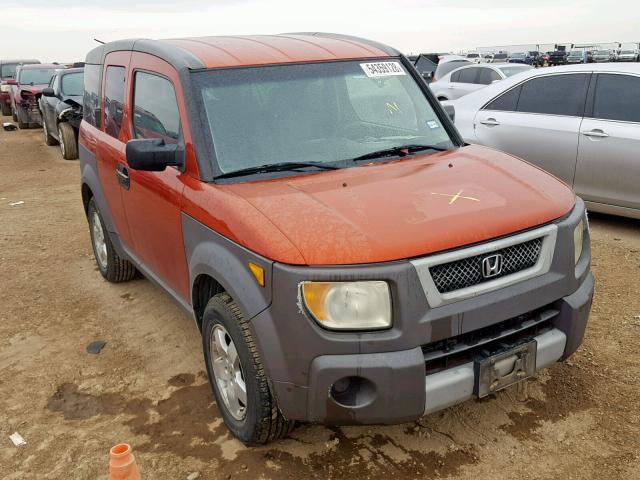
[[6, 109], [68, 141], [22, 125], [260, 421], [111, 266], [14, 115], [48, 139]]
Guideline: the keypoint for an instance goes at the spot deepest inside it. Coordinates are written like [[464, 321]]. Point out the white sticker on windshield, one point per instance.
[[383, 69], [432, 124]]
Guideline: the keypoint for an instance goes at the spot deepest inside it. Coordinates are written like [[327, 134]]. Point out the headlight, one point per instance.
[[348, 305], [5, 88], [578, 234]]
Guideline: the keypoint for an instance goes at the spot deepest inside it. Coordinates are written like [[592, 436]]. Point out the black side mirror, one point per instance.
[[48, 92], [154, 155], [451, 111]]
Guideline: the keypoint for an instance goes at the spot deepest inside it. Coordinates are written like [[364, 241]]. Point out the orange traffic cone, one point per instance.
[[122, 465]]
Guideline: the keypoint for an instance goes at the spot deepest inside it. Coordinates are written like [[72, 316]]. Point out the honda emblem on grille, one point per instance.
[[492, 265]]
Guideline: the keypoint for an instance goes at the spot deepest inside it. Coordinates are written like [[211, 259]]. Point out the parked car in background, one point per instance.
[[61, 108], [528, 58], [7, 73], [629, 56], [474, 57], [545, 58], [26, 90], [549, 118], [447, 64], [328, 302], [557, 57], [499, 58], [575, 57], [600, 56], [468, 79]]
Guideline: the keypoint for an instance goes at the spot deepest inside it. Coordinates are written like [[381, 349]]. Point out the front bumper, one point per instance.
[[29, 112], [397, 372]]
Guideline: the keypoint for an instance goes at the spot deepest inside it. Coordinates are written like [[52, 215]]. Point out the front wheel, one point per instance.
[[68, 141], [237, 376], [6, 109]]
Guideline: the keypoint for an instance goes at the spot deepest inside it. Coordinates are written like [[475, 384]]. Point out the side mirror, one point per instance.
[[450, 111], [495, 81], [154, 155], [48, 92]]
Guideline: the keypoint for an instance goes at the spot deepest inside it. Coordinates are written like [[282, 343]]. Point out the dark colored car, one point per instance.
[[8, 73], [558, 57], [527, 58], [61, 108], [26, 91], [244, 176]]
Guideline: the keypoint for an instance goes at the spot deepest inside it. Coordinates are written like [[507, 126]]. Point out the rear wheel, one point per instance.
[[111, 266], [48, 139], [68, 141], [237, 377]]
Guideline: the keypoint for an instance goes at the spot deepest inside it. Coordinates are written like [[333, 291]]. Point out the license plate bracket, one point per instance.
[[504, 369]]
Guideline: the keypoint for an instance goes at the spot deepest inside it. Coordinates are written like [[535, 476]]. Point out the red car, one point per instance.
[[347, 258], [26, 90], [8, 72]]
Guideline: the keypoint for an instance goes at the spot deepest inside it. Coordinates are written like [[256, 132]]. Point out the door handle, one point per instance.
[[122, 174], [490, 122], [595, 133]]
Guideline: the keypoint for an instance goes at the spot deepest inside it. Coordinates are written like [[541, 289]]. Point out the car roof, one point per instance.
[[19, 60], [38, 66], [237, 51]]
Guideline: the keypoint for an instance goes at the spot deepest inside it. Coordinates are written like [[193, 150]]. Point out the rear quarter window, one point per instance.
[[114, 100], [554, 95], [91, 102], [614, 99]]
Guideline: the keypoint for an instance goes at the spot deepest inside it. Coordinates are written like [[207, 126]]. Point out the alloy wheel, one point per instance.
[[228, 372], [99, 243]]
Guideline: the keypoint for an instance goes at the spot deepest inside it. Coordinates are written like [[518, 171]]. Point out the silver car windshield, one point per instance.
[[330, 112]]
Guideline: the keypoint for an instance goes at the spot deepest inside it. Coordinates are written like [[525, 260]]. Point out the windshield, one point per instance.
[[518, 55], [73, 84], [627, 52], [575, 53], [8, 70], [500, 55], [36, 76], [472, 55], [510, 71], [314, 112]]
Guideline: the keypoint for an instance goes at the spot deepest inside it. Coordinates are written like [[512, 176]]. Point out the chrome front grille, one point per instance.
[[467, 272]]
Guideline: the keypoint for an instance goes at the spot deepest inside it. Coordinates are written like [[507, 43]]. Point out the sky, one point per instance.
[[63, 30]]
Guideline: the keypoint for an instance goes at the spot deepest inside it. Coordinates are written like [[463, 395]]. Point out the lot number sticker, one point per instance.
[[382, 69]]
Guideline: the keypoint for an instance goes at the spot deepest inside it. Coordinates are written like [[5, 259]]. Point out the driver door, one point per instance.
[[153, 200]]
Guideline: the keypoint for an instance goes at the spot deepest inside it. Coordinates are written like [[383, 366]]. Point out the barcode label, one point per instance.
[[383, 69]]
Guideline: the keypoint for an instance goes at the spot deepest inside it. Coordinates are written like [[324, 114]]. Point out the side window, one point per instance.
[[486, 76], [155, 108], [507, 102], [114, 100], [55, 82], [91, 102], [555, 95], [614, 100], [468, 75], [455, 77]]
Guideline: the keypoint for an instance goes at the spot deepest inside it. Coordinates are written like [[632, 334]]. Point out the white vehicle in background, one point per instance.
[[629, 56], [448, 63], [474, 57], [579, 122], [470, 78]]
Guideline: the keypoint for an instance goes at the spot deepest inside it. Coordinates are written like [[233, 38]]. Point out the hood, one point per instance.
[[405, 208], [35, 89]]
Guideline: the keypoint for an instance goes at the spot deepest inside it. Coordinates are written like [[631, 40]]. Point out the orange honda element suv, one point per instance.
[[346, 257]]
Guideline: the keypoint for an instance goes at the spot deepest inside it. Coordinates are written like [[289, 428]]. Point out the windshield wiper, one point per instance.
[[276, 167], [401, 151]]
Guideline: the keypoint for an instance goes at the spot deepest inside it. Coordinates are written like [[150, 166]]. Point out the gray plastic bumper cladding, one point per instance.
[[304, 361]]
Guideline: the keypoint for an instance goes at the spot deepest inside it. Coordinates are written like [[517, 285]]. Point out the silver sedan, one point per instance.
[[578, 122], [470, 78]]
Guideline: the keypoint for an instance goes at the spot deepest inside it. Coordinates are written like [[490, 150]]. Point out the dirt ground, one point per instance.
[[148, 388]]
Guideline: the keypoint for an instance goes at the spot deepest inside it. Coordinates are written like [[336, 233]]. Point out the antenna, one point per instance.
[[99, 41]]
